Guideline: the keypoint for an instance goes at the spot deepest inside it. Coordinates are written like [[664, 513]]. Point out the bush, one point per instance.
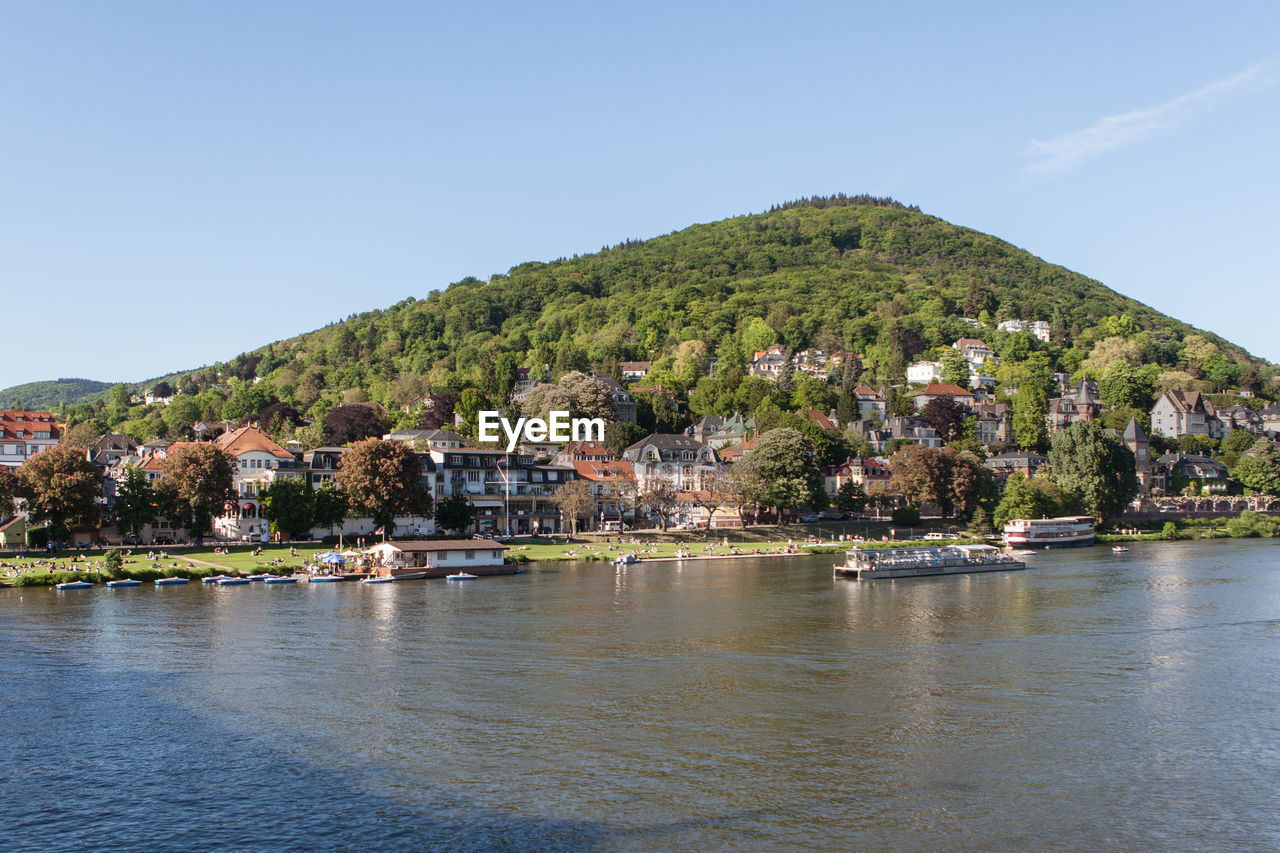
[[143, 575], [38, 537], [114, 563], [907, 515], [1169, 531]]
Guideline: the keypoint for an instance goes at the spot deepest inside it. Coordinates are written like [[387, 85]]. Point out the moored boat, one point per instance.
[[214, 578], [1064, 532], [259, 577], [460, 576], [170, 581], [124, 582], [1120, 549], [887, 563], [325, 579], [382, 579], [75, 585], [233, 581], [280, 579]]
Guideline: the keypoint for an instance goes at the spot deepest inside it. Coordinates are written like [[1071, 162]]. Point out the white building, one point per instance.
[[23, 434], [924, 372], [1039, 328], [438, 557]]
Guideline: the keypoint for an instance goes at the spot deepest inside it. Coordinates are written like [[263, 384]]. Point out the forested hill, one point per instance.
[[52, 393], [862, 274]]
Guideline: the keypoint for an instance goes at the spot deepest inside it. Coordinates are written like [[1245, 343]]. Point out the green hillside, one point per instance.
[[868, 275], [52, 393]]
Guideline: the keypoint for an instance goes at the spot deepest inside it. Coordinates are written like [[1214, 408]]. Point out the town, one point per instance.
[[977, 433]]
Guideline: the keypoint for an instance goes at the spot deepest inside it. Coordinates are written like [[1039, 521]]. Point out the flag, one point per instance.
[[378, 531]]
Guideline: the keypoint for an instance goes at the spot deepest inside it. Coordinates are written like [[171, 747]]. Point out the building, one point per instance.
[[256, 458], [445, 438], [768, 363], [1083, 405], [438, 557], [993, 424], [924, 372], [1022, 462], [1039, 328], [613, 484], [860, 472], [913, 429], [24, 434], [933, 391], [1137, 442], [634, 371], [872, 405], [717, 432], [1179, 413], [510, 493], [1196, 474], [681, 459]]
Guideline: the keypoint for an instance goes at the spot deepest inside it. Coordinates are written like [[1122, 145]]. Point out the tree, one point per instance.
[[955, 370], [1259, 467], [383, 479], [9, 491], [1030, 407], [135, 505], [1094, 470], [851, 498], [718, 491], [783, 462], [83, 434], [455, 513], [946, 416], [1023, 498], [580, 395], [659, 498], [162, 389], [289, 505], [351, 422], [575, 500], [618, 436], [61, 487], [203, 483], [328, 507], [922, 475]]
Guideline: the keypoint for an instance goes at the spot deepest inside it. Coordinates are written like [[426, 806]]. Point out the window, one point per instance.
[[473, 476], [471, 555]]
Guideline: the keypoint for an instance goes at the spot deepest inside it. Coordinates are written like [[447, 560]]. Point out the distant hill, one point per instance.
[[52, 393]]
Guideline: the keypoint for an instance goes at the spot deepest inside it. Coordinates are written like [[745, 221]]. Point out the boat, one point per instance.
[[325, 579], [259, 577], [232, 581], [124, 582], [887, 563], [214, 578], [1120, 549], [1025, 553], [460, 576], [1064, 532], [280, 579], [170, 581], [74, 585], [383, 579], [625, 560]]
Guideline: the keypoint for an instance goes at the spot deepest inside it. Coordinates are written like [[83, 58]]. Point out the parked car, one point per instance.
[[811, 519], [1168, 508]]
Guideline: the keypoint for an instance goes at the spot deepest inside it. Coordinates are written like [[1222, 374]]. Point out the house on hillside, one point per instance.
[[680, 459], [1196, 474], [924, 372], [1039, 328], [934, 391], [1022, 462], [1083, 405], [1179, 413], [634, 371], [871, 404]]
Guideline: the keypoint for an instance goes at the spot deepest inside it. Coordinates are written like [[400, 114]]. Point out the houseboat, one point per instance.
[[438, 558], [1049, 532], [875, 564]]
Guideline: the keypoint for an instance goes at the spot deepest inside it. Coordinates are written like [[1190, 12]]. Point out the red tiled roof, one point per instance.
[[248, 439], [949, 390], [598, 471], [28, 423]]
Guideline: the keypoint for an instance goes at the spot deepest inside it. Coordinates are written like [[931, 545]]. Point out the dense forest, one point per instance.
[[52, 393], [861, 274]]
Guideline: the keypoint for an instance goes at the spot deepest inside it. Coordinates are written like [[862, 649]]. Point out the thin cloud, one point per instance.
[[1120, 130]]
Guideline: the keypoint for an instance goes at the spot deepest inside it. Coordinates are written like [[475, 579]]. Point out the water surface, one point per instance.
[[1096, 701]]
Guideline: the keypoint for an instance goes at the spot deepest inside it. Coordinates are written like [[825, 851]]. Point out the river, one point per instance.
[[1097, 701]]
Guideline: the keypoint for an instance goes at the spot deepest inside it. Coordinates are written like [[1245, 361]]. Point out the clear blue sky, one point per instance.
[[180, 182]]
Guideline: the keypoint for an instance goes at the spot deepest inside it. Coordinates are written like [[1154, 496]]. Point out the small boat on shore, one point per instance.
[[170, 581], [280, 579], [75, 585], [460, 576], [625, 560], [124, 582], [233, 581]]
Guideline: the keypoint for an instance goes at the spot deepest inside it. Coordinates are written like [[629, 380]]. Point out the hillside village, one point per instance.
[[844, 446]]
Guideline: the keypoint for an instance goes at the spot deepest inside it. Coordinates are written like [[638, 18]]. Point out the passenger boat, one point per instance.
[[280, 579], [1063, 532], [460, 576], [124, 582], [74, 585], [233, 581], [883, 563], [170, 581]]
